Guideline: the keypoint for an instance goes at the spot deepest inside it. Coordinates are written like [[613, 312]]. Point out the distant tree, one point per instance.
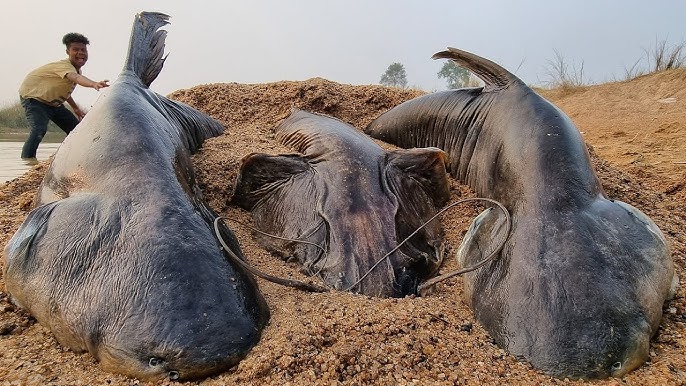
[[394, 76], [456, 76]]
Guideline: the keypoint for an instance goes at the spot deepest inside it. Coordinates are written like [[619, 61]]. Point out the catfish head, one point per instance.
[[342, 206]]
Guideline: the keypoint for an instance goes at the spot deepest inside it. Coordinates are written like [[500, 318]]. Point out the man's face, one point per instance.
[[78, 54]]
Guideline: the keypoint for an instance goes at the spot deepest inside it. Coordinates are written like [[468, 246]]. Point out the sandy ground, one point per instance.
[[636, 131]]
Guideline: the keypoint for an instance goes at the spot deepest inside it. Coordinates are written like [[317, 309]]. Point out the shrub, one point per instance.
[[561, 75], [666, 57], [12, 117], [660, 58]]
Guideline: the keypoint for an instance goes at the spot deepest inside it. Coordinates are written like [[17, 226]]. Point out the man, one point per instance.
[[45, 89]]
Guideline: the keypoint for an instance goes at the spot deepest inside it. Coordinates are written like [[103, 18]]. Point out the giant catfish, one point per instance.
[[578, 288], [118, 258], [349, 203]]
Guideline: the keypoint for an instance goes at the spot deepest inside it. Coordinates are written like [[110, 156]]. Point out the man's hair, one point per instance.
[[73, 37]]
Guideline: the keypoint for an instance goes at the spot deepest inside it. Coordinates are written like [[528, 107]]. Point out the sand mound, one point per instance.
[[635, 130]]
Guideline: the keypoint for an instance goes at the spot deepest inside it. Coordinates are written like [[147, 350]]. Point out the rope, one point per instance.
[[286, 282], [423, 288]]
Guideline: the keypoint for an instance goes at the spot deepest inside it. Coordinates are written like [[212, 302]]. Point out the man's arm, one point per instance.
[[85, 82]]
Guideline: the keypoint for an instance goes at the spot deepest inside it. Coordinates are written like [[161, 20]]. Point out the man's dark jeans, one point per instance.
[[38, 114]]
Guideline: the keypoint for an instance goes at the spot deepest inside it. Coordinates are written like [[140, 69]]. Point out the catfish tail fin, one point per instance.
[[146, 47], [494, 76]]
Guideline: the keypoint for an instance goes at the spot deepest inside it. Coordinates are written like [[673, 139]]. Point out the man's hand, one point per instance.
[[79, 113], [101, 84]]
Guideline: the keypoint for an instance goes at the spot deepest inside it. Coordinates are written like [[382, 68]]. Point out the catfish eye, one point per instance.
[[174, 375], [154, 362], [616, 366]]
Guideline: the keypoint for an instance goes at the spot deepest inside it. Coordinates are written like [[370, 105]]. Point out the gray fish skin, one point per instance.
[[118, 258], [578, 288], [344, 193]]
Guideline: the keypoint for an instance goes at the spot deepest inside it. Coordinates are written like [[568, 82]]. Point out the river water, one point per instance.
[[11, 164]]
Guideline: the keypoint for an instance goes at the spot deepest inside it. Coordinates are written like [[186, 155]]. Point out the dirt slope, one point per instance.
[[636, 131]]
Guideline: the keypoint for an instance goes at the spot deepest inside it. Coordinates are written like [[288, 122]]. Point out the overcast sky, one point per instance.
[[347, 41]]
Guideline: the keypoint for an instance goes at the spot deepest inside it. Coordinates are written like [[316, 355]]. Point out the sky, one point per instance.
[[346, 41]]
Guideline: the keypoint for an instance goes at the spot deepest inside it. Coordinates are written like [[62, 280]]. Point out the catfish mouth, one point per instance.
[[151, 368], [599, 362], [606, 367], [378, 267]]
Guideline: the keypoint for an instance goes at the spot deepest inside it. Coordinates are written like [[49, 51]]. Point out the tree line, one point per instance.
[[455, 76]]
